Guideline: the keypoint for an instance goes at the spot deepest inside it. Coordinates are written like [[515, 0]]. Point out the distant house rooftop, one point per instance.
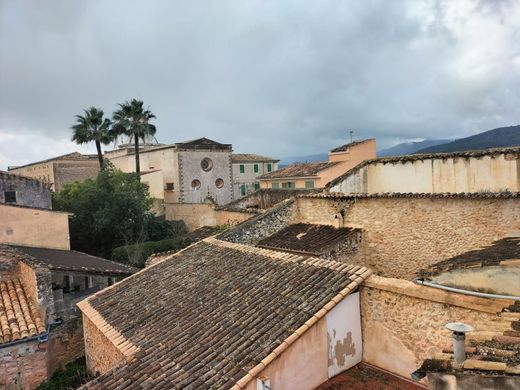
[[249, 158], [346, 147], [69, 156], [299, 170], [64, 260], [202, 143], [212, 314]]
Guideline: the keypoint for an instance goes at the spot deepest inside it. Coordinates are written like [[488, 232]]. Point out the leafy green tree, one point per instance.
[[92, 127], [133, 120], [110, 211]]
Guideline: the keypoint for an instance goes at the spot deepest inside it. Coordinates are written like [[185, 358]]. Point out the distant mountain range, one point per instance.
[[410, 147], [496, 138]]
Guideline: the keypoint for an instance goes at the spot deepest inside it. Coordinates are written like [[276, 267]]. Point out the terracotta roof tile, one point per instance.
[[299, 170], [344, 148], [19, 318], [248, 157], [308, 238], [212, 314]]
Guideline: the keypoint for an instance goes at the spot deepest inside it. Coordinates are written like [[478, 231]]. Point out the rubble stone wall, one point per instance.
[[401, 235], [23, 366]]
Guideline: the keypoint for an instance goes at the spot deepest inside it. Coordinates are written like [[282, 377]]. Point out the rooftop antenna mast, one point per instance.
[[351, 135]]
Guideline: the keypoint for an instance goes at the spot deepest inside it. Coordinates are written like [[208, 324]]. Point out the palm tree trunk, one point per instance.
[[99, 154], [137, 163]]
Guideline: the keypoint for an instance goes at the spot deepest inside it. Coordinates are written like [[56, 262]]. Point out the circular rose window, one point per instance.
[[195, 184], [206, 164], [219, 183]]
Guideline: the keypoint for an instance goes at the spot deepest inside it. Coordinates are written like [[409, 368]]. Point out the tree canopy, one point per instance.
[[92, 127], [112, 210]]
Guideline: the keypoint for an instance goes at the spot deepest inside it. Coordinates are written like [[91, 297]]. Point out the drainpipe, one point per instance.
[[467, 292], [40, 337]]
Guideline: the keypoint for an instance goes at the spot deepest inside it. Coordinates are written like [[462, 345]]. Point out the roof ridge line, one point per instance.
[[276, 352]]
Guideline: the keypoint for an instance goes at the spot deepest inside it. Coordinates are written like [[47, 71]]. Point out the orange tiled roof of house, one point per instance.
[[19, 318], [299, 170], [213, 314]]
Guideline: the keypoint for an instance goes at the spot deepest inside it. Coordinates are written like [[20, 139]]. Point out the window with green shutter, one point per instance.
[[256, 168], [242, 190], [257, 186], [309, 184], [269, 167], [275, 185], [242, 168], [288, 184]]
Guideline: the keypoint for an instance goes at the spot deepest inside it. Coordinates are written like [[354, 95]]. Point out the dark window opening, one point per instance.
[[10, 196]]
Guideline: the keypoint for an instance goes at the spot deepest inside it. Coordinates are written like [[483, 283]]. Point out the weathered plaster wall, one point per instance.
[[329, 347], [404, 323], [34, 227], [196, 215], [100, 352], [495, 280], [404, 234], [454, 174], [29, 192]]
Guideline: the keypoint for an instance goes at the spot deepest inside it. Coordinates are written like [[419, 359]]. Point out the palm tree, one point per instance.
[[133, 120], [92, 127]]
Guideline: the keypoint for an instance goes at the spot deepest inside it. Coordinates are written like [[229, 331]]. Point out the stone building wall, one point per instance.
[[255, 229], [404, 323], [29, 192], [265, 198], [102, 355], [401, 234], [70, 171], [66, 344], [23, 366]]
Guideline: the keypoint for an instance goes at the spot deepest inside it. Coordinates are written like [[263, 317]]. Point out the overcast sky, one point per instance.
[[280, 78]]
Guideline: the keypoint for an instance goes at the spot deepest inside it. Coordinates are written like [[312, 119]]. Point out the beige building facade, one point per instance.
[[187, 172], [246, 170], [61, 170], [491, 170], [318, 175]]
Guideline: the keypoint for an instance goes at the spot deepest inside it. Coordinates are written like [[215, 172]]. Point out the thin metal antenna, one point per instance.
[[351, 135]]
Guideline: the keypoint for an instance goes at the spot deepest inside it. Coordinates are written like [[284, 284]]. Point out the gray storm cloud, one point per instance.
[[273, 77]]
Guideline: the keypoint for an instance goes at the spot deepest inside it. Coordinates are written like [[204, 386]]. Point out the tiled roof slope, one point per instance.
[[500, 252], [69, 156], [203, 143], [344, 148], [19, 318], [299, 170], [248, 157], [64, 260], [515, 151], [307, 238], [207, 316]]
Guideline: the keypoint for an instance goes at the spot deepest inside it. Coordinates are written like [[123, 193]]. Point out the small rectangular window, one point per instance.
[[242, 190], [169, 186], [10, 196], [275, 185], [242, 168], [255, 168], [309, 184], [269, 167], [257, 186], [288, 184]]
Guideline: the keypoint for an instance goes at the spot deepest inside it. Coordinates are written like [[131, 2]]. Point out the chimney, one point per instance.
[[459, 337]]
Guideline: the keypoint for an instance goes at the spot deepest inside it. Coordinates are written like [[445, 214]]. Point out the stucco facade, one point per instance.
[[61, 170], [492, 170], [246, 169], [34, 227], [340, 160]]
